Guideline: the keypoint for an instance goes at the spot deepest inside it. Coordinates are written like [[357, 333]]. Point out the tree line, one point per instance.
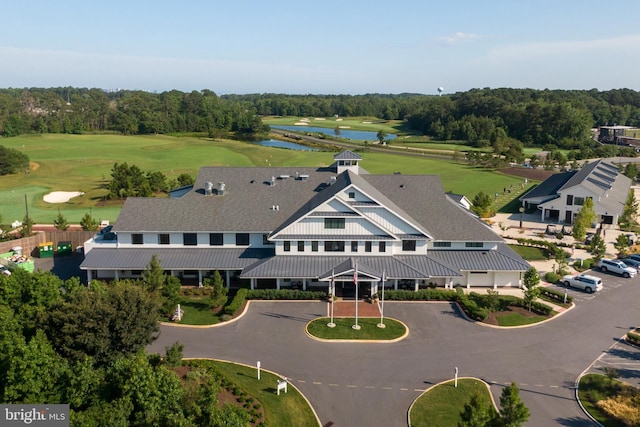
[[482, 116]]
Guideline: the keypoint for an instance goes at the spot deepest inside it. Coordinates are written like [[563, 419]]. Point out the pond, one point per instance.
[[357, 135], [284, 144]]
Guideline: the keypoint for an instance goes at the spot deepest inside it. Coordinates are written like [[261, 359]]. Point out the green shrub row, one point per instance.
[[236, 302], [536, 306], [285, 294], [555, 295], [551, 277], [420, 295], [633, 338], [470, 306]]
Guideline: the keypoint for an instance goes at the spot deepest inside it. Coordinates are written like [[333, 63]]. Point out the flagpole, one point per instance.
[[355, 280], [381, 324], [332, 291]]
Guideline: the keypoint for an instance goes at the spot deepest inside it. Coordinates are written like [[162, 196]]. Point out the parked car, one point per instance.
[[551, 230], [617, 266], [585, 282], [4, 270], [634, 256], [631, 262]]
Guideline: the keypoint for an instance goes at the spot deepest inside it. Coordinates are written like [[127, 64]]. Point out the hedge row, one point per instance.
[[470, 306], [555, 295], [420, 295], [536, 306], [285, 294], [236, 302], [633, 338]]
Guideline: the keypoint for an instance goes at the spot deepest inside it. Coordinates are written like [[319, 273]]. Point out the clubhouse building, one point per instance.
[[299, 227]]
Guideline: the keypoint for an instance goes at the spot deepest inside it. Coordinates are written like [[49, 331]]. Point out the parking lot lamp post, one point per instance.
[[521, 212]]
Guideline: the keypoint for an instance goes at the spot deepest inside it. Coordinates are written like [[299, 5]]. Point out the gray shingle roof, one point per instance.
[[179, 259]]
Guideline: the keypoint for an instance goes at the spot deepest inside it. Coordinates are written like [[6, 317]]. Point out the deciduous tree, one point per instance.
[[530, 281]]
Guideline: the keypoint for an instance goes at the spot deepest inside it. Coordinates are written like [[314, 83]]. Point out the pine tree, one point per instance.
[[61, 222], [513, 412], [475, 413]]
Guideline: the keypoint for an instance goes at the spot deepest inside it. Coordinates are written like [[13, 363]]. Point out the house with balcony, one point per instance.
[[560, 197], [302, 227]]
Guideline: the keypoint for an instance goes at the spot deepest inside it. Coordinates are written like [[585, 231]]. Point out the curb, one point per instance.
[[313, 337]]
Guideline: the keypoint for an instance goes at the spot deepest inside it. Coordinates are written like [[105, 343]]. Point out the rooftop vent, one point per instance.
[[273, 181], [208, 188], [304, 177], [221, 187], [332, 180], [284, 176]]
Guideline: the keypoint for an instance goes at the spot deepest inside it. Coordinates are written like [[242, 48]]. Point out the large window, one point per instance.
[[569, 199], [409, 245], [190, 239], [136, 239], [334, 223], [163, 239], [367, 246], [242, 239], [314, 246], [286, 245], [578, 201], [473, 244], [334, 246], [382, 247], [216, 239], [441, 244], [300, 246]]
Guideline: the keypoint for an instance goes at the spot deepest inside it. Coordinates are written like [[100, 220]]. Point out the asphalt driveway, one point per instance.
[[353, 384]]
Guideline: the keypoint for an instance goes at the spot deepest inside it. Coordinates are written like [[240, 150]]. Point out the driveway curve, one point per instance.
[[374, 384]]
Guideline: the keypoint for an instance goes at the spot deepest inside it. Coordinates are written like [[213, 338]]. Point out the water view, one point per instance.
[[284, 144], [357, 135]]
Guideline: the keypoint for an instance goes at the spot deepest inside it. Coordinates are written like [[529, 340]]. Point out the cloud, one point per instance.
[[456, 38]]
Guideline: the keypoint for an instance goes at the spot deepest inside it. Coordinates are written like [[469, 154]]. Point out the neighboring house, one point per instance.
[[298, 227], [560, 197]]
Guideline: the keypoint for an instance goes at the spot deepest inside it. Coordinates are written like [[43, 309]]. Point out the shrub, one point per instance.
[[420, 295], [554, 295], [633, 338], [285, 294], [236, 302], [551, 277]]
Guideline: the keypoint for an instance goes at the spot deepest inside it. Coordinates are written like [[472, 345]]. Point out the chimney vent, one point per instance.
[[208, 188], [221, 187], [273, 181]]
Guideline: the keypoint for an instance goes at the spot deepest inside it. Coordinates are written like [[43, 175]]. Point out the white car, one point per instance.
[[617, 266], [585, 282], [4, 270]]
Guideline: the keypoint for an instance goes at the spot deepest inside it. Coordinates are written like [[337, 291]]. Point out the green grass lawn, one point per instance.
[[287, 410], [443, 404], [516, 319], [344, 331], [84, 162], [197, 312], [530, 253], [370, 124]]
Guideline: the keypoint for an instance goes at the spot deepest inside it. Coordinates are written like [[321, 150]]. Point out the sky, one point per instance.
[[320, 47]]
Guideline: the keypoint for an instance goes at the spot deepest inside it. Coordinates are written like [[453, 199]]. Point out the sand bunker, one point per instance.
[[61, 196], [344, 127], [301, 124]]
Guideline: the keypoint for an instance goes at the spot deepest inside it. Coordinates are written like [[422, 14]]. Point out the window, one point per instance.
[[354, 246], [300, 246], [473, 244], [216, 239], [352, 195], [163, 239], [578, 201], [287, 246], [382, 247], [334, 246], [441, 244], [569, 199], [265, 240], [367, 246], [242, 239], [190, 239], [136, 239], [409, 245], [334, 223], [314, 246]]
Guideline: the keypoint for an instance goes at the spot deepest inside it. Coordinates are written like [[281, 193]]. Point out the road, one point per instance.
[[353, 384]]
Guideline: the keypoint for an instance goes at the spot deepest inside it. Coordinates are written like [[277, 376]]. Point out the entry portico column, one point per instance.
[[304, 284], [89, 276], [117, 275], [415, 285], [278, 283], [253, 283], [199, 278], [395, 284]]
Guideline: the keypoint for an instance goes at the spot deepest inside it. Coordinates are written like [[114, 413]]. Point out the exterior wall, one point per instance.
[[353, 225], [479, 280], [150, 240], [390, 248], [389, 221]]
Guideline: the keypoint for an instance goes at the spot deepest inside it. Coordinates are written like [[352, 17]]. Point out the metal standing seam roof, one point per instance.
[[479, 260], [347, 155], [173, 259]]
